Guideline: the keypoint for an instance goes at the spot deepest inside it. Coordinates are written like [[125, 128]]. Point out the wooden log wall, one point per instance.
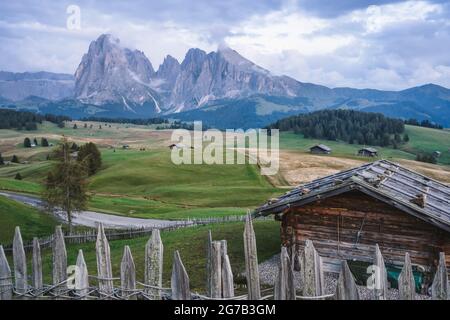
[[349, 225]]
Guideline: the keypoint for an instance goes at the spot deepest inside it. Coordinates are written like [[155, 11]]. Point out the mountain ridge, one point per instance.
[[122, 82]]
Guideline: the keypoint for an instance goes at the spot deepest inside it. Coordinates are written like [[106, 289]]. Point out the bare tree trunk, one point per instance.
[[69, 220]]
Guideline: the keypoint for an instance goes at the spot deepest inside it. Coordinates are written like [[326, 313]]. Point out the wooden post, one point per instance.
[[346, 288], [154, 251], [216, 269], [20, 263], [128, 275], [439, 288], [379, 277], [227, 278], [208, 264], [180, 280], [59, 261], [406, 283], [36, 278], [312, 271], [227, 273], [81, 276], [224, 247], [104, 268], [6, 285], [284, 284], [251, 260]]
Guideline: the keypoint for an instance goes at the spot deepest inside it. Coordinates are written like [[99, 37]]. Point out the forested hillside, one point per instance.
[[25, 120], [346, 125]]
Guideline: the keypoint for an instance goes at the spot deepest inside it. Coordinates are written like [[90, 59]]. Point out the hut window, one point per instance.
[[289, 230]]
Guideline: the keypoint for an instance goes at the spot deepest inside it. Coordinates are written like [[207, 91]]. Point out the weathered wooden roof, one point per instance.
[[389, 182], [321, 146], [372, 150]]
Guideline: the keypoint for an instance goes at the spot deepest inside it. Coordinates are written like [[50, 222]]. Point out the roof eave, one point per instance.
[[352, 184]]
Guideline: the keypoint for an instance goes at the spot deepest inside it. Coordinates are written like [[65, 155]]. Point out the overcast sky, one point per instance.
[[387, 45]]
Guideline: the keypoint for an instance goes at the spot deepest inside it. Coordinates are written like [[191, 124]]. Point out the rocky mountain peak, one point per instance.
[[109, 73]]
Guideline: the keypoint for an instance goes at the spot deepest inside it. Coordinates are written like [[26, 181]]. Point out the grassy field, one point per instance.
[[191, 242], [421, 140], [429, 140], [292, 141], [147, 184], [21, 186], [32, 222], [151, 174]]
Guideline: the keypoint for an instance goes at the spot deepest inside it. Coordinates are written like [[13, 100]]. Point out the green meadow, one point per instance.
[[146, 184], [32, 222], [420, 140]]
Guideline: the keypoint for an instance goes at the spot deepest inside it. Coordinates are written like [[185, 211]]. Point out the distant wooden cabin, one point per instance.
[[382, 203], [368, 152], [320, 149], [437, 154]]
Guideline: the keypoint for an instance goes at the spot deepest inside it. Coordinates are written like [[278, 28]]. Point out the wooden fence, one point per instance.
[[90, 235], [75, 282]]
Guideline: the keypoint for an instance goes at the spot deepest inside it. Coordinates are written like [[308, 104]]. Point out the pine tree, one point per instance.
[[35, 142], [405, 138], [66, 184], [18, 176], [74, 147], [2, 162], [91, 157], [44, 142], [27, 142], [75, 126], [15, 159]]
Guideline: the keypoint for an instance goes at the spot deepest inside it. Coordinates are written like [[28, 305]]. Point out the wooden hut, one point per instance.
[[382, 203], [368, 152], [320, 149]]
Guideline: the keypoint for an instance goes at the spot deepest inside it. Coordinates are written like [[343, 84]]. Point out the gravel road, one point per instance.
[[92, 219]]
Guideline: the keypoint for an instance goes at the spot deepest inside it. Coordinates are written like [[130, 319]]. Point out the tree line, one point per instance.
[[125, 120], [351, 126], [26, 120], [27, 143], [424, 123]]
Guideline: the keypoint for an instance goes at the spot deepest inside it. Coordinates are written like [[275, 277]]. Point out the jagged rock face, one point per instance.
[[51, 86], [109, 73], [224, 74], [168, 72]]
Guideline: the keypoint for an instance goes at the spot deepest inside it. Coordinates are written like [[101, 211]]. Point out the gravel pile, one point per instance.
[[268, 271]]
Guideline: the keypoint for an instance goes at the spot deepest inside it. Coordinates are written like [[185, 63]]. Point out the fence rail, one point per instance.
[[90, 235], [78, 284]]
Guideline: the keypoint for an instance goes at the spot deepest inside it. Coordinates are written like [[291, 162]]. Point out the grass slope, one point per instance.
[[32, 222], [420, 140], [429, 140], [148, 185], [292, 141]]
